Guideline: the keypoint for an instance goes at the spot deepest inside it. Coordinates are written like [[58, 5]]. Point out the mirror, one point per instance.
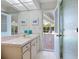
[[48, 22], [14, 24], [14, 28]]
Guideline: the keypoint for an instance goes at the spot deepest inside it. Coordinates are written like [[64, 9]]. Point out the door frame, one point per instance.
[[58, 33]]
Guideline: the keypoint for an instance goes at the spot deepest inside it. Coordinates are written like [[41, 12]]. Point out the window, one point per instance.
[[3, 23]]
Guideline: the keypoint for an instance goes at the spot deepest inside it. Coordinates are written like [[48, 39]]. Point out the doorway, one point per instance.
[[53, 31], [48, 31]]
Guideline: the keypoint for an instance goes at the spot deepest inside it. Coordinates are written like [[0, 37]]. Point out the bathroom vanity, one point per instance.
[[20, 47]]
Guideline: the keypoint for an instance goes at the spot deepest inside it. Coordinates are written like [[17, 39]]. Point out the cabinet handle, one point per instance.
[[26, 46]]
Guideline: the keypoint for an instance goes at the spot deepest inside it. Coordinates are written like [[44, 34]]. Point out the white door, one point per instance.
[[66, 25], [70, 13]]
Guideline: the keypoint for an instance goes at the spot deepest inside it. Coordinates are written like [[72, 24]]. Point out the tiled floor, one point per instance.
[[46, 55]]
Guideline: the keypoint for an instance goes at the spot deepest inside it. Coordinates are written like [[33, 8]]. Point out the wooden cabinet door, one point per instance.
[[37, 45], [26, 55], [33, 49]]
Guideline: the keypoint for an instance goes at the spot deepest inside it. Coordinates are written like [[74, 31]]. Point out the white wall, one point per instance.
[[29, 16], [70, 24]]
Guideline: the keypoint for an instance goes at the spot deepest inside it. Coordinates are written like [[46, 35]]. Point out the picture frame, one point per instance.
[[24, 22], [35, 21]]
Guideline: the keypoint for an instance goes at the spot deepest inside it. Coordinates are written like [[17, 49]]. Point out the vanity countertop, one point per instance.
[[20, 41]]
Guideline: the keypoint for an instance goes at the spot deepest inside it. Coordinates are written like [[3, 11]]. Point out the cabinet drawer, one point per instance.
[[26, 55], [26, 47], [33, 43]]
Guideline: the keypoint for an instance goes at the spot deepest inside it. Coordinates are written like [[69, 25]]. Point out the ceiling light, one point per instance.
[[30, 5], [19, 7], [25, 0], [13, 1]]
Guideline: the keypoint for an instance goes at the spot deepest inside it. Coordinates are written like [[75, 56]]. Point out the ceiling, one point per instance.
[[48, 16], [22, 5], [48, 4], [14, 6]]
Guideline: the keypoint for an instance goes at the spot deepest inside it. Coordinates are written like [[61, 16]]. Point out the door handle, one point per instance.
[[60, 35]]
